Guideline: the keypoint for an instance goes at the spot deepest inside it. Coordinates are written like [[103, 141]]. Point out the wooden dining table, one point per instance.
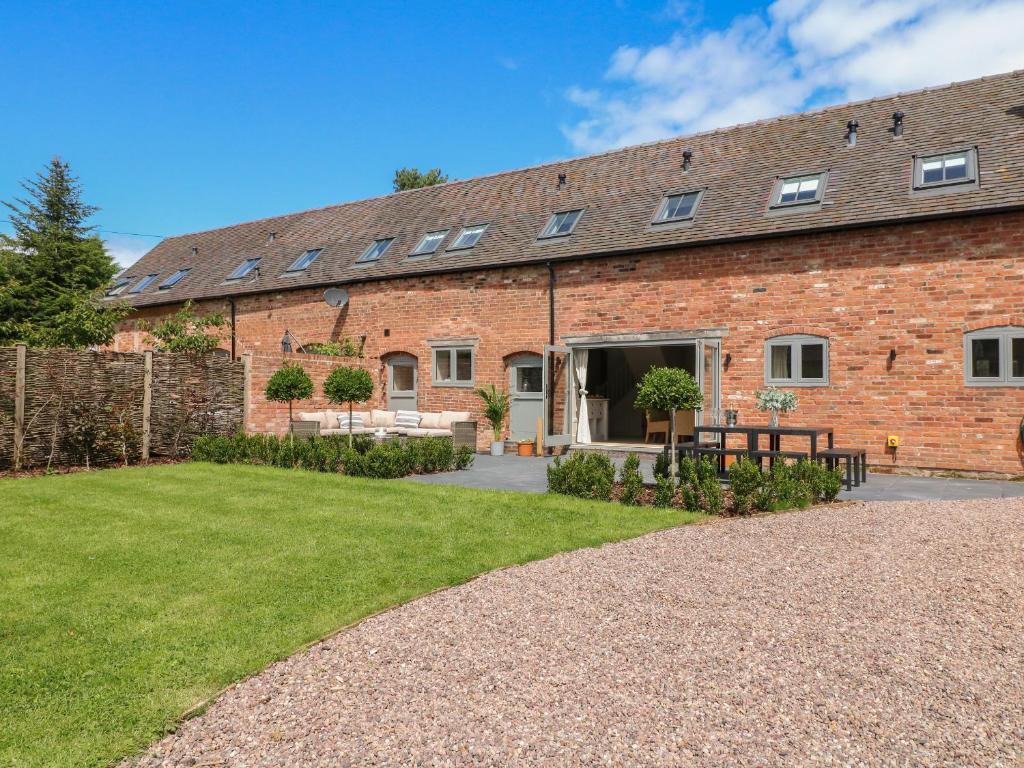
[[754, 432]]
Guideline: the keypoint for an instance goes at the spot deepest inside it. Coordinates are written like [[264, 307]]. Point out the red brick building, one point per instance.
[[869, 257]]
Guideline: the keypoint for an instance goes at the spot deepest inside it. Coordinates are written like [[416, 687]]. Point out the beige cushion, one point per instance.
[[320, 417], [355, 431], [382, 418], [430, 421], [420, 432], [449, 417]]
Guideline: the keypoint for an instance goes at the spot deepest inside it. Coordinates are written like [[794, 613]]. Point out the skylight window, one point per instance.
[[376, 250], [143, 284], [562, 223], [244, 269], [942, 170], [677, 207], [174, 279], [430, 242], [119, 285], [468, 237], [307, 258], [798, 190]]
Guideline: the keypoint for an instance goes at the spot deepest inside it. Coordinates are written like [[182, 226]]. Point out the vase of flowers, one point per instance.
[[775, 401]]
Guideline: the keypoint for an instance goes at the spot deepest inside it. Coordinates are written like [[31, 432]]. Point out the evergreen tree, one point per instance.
[[54, 264], [411, 178]]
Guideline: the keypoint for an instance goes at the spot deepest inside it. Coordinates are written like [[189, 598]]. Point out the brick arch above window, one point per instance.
[[796, 360], [994, 321], [798, 330]]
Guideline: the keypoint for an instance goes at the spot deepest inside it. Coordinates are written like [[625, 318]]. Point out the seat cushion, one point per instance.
[[355, 431], [430, 421], [320, 417], [359, 420], [420, 432], [381, 418], [407, 419], [450, 417]]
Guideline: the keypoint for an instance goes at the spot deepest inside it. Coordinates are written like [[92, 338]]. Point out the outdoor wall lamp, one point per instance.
[[286, 342], [728, 360]]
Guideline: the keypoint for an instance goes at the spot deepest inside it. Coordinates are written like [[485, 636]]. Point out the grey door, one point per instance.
[[526, 388], [559, 391], [402, 381]]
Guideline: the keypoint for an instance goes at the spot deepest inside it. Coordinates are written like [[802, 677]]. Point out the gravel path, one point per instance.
[[878, 634]]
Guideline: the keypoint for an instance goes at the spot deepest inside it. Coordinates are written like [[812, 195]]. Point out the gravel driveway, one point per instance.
[[881, 633]]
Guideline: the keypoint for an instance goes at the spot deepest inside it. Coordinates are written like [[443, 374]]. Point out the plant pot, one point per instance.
[[497, 447], [525, 447]]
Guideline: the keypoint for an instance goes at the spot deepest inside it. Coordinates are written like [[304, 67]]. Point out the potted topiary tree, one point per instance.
[[495, 410], [348, 385], [669, 389], [289, 383]]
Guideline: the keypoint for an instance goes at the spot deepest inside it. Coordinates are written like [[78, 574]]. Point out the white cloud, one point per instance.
[[127, 249], [794, 55]]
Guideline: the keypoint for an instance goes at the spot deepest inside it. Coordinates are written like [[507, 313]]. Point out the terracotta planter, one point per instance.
[[525, 448]]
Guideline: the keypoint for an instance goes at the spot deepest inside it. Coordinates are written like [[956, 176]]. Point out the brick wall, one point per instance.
[[912, 288]]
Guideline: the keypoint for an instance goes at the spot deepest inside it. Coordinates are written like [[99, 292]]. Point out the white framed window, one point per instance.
[[301, 263], [562, 224], [677, 207], [799, 360], [468, 237], [945, 170], [244, 269], [376, 250], [430, 242], [798, 190], [454, 366], [174, 279], [994, 357], [143, 284]]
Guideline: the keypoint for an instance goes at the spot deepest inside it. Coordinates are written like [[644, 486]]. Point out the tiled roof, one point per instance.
[[621, 190]]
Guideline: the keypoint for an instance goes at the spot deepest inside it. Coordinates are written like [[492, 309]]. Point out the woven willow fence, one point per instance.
[[61, 407]]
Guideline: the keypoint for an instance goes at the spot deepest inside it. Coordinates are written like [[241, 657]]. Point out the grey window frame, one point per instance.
[[776, 198], [295, 269], [971, 180], [237, 274], [365, 258], [453, 350], [663, 206], [1005, 335], [119, 285], [143, 284], [454, 244], [175, 278], [796, 341], [547, 234], [418, 250]]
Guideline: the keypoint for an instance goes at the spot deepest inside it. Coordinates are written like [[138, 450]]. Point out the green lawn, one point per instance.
[[128, 597]]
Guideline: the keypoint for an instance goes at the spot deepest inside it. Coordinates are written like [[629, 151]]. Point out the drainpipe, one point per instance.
[[551, 303], [231, 302]]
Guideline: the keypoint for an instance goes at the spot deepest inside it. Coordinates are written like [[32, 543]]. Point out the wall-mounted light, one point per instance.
[[286, 342], [728, 360], [892, 355]]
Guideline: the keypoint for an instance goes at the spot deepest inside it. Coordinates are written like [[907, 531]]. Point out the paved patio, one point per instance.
[[513, 473]]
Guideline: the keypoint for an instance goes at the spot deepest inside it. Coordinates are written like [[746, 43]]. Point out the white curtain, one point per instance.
[[579, 357]]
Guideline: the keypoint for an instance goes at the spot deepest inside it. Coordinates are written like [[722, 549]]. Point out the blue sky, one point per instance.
[[186, 116]]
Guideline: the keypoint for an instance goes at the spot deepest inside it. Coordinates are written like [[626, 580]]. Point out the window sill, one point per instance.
[[454, 384], [802, 384], [981, 384]]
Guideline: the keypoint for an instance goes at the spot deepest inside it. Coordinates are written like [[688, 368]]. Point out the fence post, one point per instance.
[[147, 401], [246, 386], [19, 405]]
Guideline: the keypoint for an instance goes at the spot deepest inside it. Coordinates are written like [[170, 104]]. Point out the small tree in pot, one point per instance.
[[288, 384], [669, 389], [348, 385], [495, 410]]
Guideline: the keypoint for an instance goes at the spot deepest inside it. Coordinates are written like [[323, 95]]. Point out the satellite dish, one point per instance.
[[336, 297]]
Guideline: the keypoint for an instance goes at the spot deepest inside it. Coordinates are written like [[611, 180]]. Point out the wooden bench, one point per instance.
[[773, 456], [856, 460]]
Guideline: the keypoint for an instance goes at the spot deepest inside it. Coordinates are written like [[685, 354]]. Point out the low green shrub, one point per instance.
[[464, 457], [632, 481], [664, 491], [784, 486], [583, 474], [662, 465], [331, 453], [699, 486], [745, 481]]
